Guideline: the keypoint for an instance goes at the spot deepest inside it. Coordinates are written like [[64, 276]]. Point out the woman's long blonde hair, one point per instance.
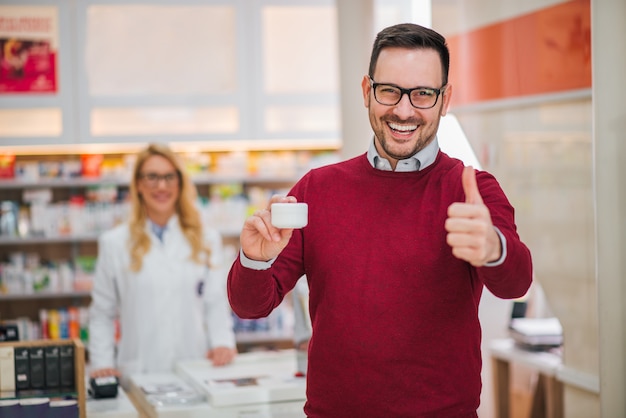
[[188, 214]]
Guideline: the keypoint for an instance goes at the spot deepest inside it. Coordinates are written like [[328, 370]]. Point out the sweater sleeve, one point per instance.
[[512, 278], [251, 292], [255, 293]]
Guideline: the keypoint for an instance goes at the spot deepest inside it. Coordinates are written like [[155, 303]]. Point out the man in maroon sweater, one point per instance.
[[399, 244]]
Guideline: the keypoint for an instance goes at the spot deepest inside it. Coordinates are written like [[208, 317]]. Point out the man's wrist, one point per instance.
[[502, 257], [254, 264]]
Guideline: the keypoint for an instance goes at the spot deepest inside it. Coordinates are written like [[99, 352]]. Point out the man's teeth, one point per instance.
[[403, 128]]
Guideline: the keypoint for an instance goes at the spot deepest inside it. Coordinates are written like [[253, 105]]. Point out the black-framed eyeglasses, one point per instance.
[[153, 179], [420, 97]]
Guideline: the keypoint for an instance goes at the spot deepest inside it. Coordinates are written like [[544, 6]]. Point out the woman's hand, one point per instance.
[[221, 356], [105, 373]]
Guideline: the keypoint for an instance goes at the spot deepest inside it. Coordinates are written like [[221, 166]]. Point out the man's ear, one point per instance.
[[447, 96], [367, 88]]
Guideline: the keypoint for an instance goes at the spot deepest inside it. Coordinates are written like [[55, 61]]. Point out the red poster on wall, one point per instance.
[[28, 49]]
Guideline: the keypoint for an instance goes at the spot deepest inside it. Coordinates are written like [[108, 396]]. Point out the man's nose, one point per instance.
[[404, 108]]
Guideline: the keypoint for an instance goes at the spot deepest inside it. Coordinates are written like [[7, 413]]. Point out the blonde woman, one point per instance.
[[162, 275]]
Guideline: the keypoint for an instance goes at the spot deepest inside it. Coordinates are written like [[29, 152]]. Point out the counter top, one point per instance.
[[255, 385], [118, 407], [253, 378], [167, 389], [544, 361]]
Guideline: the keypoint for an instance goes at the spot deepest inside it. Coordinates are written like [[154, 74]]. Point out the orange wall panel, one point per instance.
[[546, 51]]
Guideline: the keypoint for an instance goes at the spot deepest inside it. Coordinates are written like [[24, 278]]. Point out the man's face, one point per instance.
[[402, 130]]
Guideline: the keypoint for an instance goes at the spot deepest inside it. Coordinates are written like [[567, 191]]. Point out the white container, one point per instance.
[[290, 215]]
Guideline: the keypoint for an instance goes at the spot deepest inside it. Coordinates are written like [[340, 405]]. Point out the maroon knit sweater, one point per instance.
[[394, 313]]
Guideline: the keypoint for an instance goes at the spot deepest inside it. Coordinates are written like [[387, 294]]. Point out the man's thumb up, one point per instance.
[[468, 178]]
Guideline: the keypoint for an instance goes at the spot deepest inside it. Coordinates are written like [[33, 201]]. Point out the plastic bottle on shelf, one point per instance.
[[28, 280], [43, 323], [73, 322], [54, 332], [66, 277], [83, 320], [23, 222], [64, 328], [53, 278], [76, 211], [12, 279], [8, 219]]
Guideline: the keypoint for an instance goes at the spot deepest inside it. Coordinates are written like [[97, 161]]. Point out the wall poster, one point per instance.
[[29, 42]]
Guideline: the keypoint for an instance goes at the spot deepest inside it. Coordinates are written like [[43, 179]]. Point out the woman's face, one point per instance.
[[159, 186]]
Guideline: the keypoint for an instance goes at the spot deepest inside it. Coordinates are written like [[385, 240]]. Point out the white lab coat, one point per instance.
[[173, 309]]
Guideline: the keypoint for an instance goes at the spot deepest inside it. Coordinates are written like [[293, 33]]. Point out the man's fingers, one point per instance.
[[280, 199], [260, 222]]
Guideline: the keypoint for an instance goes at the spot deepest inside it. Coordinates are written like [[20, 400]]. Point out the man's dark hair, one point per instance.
[[410, 35]]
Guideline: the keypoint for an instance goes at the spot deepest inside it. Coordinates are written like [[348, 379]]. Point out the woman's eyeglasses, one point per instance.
[[153, 179]]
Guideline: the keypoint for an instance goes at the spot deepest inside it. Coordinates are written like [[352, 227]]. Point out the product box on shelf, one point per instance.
[[91, 164], [7, 166]]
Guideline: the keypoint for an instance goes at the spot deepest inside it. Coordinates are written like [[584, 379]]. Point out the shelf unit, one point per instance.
[[10, 190], [58, 247], [199, 180], [77, 391], [43, 295]]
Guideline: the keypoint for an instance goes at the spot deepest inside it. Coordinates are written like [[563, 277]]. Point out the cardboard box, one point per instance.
[[22, 368], [7, 369]]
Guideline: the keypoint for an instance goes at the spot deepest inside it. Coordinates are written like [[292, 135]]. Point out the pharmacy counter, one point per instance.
[[118, 407], [259, 385]]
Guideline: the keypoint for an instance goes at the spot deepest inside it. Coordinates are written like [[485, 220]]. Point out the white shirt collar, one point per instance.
[[417, 162]]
